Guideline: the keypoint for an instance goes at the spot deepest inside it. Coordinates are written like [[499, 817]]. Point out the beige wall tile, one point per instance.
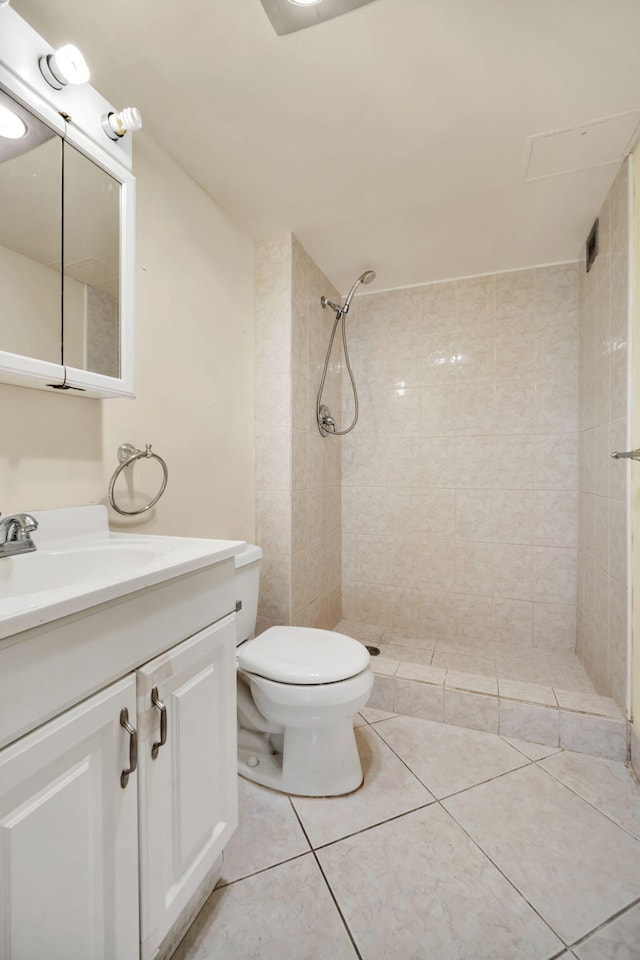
[[461, 358], [438, 411], [474, 568], [513, 571], [556, 462], [439, 307], [555, 574], [513, 621], [473, 618], [556, 519], [554, 626], [516, 300]]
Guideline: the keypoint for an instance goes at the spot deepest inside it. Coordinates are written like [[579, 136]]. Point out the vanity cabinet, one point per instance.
[[68, 836], [187, 784], [78, 847]]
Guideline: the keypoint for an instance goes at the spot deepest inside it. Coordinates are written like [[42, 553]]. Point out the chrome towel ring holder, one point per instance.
[[127, 454]]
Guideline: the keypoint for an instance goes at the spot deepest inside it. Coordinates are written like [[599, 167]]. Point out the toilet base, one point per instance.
[[322, 761]]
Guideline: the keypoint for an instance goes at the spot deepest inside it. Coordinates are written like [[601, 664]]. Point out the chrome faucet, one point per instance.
[[15, 534]]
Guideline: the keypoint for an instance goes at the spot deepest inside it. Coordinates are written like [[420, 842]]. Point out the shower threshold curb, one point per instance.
[[584, 723]]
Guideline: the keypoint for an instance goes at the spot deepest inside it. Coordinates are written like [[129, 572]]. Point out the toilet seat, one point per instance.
[[303, 655]]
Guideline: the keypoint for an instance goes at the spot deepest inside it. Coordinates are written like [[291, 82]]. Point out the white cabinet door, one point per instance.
[[188, 793], [68, 836]]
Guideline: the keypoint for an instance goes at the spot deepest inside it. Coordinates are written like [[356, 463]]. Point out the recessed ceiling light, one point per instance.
[[287, 16], [11, 125]]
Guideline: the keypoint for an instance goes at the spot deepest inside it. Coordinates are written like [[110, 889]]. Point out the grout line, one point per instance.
[[230, 883], [329, 888], [509, 881], [590, 803], [379, 823], [497, 776], [552, 754], [605, 923]]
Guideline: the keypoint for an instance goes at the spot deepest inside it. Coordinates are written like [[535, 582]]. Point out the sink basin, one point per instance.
[[61, 569], [79, 563]]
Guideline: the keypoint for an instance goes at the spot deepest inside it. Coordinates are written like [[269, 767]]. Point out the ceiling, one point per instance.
[[395, 137]]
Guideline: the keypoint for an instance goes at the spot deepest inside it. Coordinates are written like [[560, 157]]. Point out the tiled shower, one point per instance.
[[476, 502], [460, 486]]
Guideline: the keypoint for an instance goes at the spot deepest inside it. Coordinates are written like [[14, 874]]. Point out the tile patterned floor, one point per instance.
[[460, 846]]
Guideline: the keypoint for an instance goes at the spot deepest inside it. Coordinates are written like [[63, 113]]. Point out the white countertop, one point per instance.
[[79, 564]]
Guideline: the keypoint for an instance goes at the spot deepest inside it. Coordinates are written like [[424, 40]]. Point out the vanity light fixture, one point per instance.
[[116, 125], [12, 126], [304, 3], [65, 65]]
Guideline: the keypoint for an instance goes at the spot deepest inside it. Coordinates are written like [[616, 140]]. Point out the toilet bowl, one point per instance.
[[298, 692]]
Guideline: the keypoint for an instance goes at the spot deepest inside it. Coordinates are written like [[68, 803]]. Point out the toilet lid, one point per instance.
[[303, 655]]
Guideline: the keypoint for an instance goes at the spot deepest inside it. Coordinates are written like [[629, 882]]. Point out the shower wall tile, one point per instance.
[[465, 459], [298, 478], [602, 627]]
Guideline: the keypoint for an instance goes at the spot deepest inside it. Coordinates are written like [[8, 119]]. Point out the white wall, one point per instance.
[[194, 376]]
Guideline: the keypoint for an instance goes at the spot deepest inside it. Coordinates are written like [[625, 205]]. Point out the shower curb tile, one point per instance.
[[585, 703], [527, 692], [381, 697], [470, 682], [425, 700], [384, 666], [472, 710], [420, 673], [599, 736], [525, 721]]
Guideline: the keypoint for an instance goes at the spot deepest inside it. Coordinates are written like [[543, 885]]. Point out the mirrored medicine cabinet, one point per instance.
[[66, 256]]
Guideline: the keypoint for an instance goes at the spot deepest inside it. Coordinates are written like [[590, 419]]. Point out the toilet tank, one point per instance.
[[247, 582]]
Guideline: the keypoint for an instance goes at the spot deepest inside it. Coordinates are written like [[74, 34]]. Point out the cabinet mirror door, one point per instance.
[[30, 234], [91, 229]]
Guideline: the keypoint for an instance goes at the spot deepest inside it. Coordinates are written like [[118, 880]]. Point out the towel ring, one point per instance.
[[127, 453]]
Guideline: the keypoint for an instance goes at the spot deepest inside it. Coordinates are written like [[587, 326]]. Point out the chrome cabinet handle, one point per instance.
[[133, 747], [627, 455], [157, 702]]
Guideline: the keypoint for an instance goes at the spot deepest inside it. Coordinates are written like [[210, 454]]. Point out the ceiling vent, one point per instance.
[[287, 16], [590, 144]]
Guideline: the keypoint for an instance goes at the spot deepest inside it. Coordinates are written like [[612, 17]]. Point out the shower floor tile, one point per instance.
[[560, 669]]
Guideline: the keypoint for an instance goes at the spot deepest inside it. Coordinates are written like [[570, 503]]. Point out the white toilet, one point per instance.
[[298, 692]]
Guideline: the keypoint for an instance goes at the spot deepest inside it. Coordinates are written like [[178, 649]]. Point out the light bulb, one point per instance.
[[11, 125], [116, 125], [66, 65]]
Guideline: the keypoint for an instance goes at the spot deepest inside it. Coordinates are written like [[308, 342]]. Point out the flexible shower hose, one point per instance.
[[338, 433]]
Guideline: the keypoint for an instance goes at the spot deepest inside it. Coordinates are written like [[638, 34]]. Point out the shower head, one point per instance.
[[365, 277]]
